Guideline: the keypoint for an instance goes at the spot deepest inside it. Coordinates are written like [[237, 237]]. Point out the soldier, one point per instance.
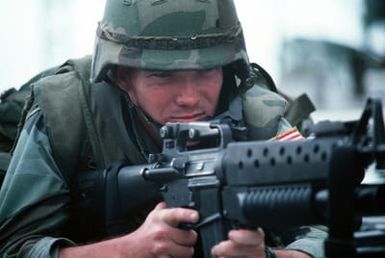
[[154, 62]]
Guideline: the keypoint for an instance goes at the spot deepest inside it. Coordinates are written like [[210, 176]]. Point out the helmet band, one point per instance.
[[173, 43]]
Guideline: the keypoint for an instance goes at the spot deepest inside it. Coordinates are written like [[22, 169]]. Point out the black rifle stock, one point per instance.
[[274, 185]]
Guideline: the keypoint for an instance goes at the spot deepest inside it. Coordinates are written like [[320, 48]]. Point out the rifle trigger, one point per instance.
[[208, 220], [186, 226]]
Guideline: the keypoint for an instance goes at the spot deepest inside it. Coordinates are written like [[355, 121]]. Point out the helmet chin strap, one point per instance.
[[151, 126], [147, 119]]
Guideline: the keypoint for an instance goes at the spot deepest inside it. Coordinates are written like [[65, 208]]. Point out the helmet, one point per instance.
[[168, 35]]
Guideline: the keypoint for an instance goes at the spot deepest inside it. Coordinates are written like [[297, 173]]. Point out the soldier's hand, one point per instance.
[[241, 243], [248, 243], [159, 235]]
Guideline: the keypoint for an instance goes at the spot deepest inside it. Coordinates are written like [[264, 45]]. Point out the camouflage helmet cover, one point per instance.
[[167, 35]]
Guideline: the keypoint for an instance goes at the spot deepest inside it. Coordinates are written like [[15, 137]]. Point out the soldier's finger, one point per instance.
[[176, 216], [247, 237]]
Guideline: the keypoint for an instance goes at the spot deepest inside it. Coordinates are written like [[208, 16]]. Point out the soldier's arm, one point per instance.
[[34, 197]]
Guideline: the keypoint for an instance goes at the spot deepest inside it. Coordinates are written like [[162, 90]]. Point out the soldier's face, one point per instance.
[[178, 96]]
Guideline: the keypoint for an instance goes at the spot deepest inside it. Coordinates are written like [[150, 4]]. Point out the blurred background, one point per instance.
[[332, 50]]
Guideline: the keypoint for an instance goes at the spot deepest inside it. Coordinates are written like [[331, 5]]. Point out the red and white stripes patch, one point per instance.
[[289, 135]]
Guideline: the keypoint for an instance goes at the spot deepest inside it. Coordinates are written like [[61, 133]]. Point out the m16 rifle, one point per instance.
[[250, 184]]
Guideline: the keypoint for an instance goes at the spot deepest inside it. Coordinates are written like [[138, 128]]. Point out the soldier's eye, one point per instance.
[[159, 74]]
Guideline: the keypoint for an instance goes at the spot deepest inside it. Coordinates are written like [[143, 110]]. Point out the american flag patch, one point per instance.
[[289, 135]]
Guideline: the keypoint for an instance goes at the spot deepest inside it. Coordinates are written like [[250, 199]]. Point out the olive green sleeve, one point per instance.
[[309, 239], [34, 198]]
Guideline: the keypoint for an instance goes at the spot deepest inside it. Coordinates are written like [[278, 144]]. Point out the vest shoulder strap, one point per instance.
[[103, 108], [58, 98], [85, 120]]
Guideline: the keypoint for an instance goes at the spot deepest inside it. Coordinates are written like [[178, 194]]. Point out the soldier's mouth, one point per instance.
[[189, 117]]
